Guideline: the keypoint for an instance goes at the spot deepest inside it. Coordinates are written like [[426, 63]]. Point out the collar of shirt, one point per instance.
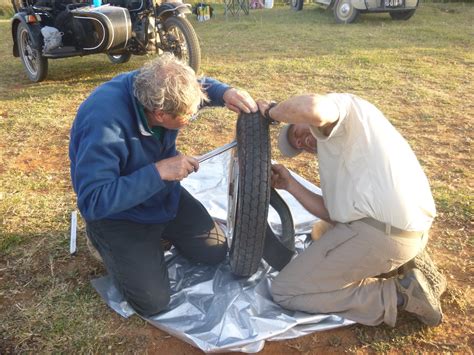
[[145, 129]]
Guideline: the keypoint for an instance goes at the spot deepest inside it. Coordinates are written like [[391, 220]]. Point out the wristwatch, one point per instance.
[[267, 113]]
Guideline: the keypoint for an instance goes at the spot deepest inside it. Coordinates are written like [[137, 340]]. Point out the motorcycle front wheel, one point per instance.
[[182, 41]]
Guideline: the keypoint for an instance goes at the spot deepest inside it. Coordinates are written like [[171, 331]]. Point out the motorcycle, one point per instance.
[[50, 29]]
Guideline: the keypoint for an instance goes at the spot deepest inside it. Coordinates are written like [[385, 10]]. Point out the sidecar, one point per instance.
[[81, 29]]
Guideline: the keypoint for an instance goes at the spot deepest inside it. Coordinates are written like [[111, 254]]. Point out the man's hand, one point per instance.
[[239, 101], [281, 177], [263, 105], [177, 167]]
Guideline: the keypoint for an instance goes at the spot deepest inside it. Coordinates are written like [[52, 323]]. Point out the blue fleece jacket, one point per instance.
[[113, 158]]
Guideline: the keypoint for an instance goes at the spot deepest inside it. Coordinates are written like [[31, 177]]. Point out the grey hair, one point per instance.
[[168, 84]]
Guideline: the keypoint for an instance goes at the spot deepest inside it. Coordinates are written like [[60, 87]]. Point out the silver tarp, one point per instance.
[[210, 308]]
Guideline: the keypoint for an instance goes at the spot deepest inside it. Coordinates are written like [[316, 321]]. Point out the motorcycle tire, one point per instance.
[[36, 66], [119, 58], [182, 41], [251, 194]]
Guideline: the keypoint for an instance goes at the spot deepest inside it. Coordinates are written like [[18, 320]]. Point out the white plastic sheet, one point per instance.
[[212, 309]]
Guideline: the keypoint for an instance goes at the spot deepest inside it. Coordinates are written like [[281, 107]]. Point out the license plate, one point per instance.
[[394, 3]]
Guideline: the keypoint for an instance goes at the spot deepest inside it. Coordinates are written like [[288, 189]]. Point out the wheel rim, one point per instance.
[[28, 54], [344, 10], [177, 43], [233, 194], [116, 56]]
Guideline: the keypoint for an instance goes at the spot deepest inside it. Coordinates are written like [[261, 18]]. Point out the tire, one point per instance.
[[402, 15], [279, 250], [287, 237], [36, 66], [249, 194], [296, 5], [344, 12], [182, 41], [119, 58]]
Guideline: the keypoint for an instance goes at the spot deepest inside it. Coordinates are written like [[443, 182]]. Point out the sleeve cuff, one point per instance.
[[215, 90]]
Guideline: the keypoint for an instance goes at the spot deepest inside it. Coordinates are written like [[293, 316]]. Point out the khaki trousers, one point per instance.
[[336, 274]]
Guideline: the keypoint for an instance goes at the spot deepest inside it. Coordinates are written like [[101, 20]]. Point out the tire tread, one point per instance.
[[253, 195]]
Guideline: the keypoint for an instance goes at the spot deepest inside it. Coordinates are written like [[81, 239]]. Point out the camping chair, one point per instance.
[[236, 7]]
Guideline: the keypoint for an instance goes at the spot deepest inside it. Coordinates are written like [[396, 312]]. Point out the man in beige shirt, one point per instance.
[[378, 200]]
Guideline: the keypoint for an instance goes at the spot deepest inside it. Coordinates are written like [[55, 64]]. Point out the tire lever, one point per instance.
[[217, 151]]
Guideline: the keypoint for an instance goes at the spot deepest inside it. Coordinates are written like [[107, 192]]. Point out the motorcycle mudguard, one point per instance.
[[170, 8], [33, 28], [102, 28]]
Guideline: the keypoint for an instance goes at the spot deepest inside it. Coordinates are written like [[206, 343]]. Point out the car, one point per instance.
[[347, 11]]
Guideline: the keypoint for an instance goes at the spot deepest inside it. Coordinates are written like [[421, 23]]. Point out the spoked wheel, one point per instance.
[[345, 12], [402, 15], [249, 194], [35, 64], [296, 5], [119, 58], [182, 41]]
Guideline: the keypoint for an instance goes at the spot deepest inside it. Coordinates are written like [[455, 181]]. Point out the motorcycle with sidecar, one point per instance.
[[118, 28]]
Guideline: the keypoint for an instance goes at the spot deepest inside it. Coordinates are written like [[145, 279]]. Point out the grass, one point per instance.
[[417, 72]]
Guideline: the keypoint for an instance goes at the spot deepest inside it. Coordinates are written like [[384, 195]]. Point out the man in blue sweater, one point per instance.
[[125, 170]]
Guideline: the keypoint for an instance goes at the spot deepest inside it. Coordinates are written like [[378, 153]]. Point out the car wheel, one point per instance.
[[402, 15], [345, 12], [296, 5]]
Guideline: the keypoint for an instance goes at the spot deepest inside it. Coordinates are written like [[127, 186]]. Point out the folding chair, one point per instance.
[[236, 7]]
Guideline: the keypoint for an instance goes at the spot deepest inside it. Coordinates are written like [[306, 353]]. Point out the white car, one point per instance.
[[347, 11]]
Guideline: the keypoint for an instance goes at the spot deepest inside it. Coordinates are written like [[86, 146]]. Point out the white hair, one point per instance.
[[169, 85]]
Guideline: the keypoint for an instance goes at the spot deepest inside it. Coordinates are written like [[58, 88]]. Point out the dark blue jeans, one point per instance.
[[133, 253]]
